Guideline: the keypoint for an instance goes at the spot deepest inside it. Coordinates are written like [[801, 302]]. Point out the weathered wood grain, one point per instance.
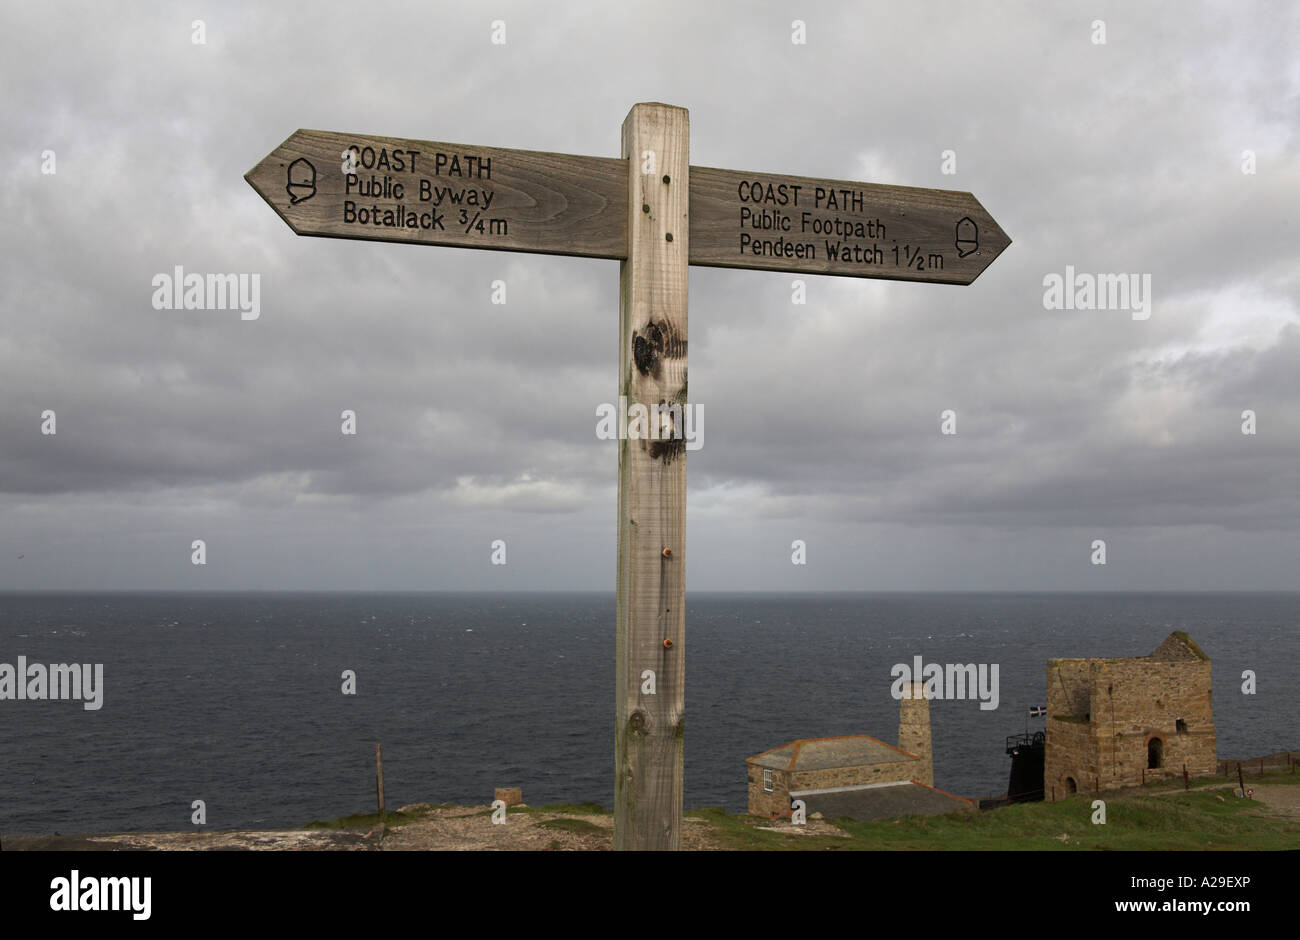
[[539, 202], [909, 234], [650, 616], [564, 204], [656, 223]]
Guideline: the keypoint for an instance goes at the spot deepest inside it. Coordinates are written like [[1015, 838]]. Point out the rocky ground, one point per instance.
[[444, 828], [424, 826]]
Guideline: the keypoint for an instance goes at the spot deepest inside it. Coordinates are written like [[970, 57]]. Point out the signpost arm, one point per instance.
[[639, 210], [651, 617]]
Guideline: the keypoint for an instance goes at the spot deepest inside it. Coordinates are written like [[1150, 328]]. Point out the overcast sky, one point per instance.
[[477, 421]]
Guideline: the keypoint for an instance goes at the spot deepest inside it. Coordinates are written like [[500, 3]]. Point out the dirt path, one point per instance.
[[1280, 802]]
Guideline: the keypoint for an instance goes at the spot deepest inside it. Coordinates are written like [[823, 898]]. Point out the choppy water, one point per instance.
[[236, 699]]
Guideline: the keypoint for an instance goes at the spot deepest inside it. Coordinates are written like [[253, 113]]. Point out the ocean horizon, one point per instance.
[[236, 698]]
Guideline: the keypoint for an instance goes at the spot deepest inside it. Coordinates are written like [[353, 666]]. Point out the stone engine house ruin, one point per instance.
[[812, 767], [1115, 723]]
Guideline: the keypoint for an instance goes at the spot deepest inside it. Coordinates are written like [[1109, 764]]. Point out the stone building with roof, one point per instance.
[[854, 775], [1117, 722]]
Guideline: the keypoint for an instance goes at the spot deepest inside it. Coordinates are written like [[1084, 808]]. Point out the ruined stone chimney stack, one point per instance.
[[914, 730]]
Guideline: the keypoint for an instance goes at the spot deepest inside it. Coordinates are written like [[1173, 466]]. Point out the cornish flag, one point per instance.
[[1037, 711]]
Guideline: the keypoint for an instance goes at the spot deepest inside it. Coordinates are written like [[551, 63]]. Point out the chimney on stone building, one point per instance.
[[914, 730]]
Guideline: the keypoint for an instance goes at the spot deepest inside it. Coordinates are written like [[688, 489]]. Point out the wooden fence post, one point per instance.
[[379, 782], [649, 711]]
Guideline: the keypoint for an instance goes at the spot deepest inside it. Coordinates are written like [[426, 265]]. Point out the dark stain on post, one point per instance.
[[636, 722], [667, 450], [674, 342], [668, 425], [657, 341], [647, 349]]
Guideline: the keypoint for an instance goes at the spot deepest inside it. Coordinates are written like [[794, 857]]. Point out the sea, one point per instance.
[[238, 699]]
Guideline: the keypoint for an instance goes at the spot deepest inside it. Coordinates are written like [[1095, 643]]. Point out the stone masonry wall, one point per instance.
[[884, 772], [776, 803], [1126, 703], [914, 733], [1071, 752], [1069, 686], [1135, 701]]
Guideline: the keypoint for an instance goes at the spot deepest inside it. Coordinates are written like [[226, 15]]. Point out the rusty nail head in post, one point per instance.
[[668, 553], [668, 644]]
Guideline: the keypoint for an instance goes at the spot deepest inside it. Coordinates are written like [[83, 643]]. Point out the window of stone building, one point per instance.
[[1071, 786], [767, 781], [1155, 754], [1180, 726]]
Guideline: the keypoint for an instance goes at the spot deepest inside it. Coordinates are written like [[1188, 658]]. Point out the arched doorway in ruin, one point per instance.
[[1155, 753]]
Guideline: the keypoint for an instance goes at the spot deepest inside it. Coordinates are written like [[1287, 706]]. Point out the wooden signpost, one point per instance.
[[656, 214], [418, 191]]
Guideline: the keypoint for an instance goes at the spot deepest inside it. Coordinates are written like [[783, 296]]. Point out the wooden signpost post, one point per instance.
[[656, 214]]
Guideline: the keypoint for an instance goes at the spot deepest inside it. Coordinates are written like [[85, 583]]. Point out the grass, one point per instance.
[[739, 832], [566, 809], [1156, 818], [371, 820], [1136, 821], [1140, 822], [580, 826], [1253, 779]]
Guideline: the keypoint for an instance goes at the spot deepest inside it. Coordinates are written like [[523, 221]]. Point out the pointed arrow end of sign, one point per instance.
[[993, 240], [283, 179]]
